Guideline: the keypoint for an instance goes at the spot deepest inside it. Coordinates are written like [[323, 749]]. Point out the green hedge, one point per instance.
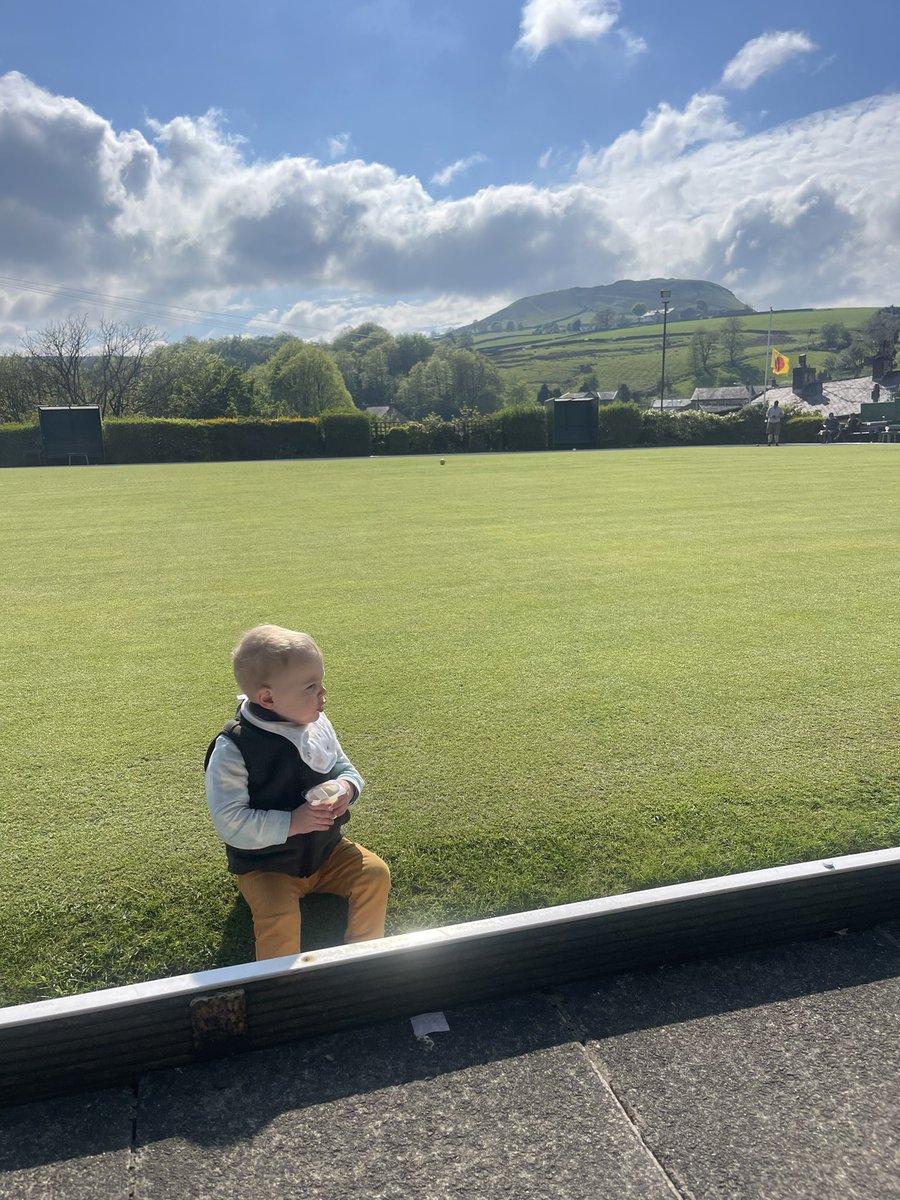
[[17, 445], [145, 439], [619, 424], [283, 437], [397, 440], [524, 428], [148, 440], [687, 428], [801, 427], [345, 434], [747, 427]]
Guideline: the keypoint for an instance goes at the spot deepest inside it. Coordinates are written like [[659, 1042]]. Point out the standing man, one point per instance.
[[773, 423]]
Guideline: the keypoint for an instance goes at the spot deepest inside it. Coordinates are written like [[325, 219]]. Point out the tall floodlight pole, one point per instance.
[[664, 296], [768, 360]]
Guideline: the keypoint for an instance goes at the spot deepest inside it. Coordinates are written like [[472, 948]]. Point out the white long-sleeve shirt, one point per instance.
[[227, 793]]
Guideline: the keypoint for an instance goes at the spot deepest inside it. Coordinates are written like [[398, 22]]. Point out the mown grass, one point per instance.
[[564, 675], [633, 355]]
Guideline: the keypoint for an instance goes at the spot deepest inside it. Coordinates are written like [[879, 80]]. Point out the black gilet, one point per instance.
[[277, 778]]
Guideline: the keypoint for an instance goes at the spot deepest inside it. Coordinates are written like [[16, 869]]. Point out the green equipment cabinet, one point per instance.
[[71, 435], [575, 422]]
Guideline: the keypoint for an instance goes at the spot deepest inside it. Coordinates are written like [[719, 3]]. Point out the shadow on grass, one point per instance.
[[323, 923]]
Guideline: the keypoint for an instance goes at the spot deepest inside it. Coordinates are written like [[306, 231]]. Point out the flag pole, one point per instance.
[[768, 346]]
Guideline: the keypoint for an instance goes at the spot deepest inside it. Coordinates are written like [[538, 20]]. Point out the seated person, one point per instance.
[[281, 840], [832, 428]]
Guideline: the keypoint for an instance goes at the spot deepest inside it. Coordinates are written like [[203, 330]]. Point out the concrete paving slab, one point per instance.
[[504, 1104], [773, 1074], [76, 1147]]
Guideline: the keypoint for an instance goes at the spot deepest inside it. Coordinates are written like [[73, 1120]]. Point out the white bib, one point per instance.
[[317, 742]]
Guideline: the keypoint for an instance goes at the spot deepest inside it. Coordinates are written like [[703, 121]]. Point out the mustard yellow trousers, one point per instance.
[[349, 870]]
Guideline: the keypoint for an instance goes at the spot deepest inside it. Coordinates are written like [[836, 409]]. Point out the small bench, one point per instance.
[[859, 435]]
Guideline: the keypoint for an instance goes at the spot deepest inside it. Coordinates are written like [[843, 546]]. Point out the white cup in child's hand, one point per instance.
[[324, 793]]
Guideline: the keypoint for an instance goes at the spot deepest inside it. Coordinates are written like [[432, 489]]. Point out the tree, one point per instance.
[[516, 391], [19, 391], [188, 380], [604, 318], [731, 338], [854, 359], [375, 383], [428, 388], [363, 338], [702, 345], [74, 364], [348, 365], [116, 371], [883, 329], [247, 352], [57, 355], [304, 381], [410, 348], [834, 335], [624, 393], [638, 310], [543, 394], [476, 381]]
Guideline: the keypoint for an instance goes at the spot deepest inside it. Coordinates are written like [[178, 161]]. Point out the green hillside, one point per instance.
[[698, 296], [634, 355]]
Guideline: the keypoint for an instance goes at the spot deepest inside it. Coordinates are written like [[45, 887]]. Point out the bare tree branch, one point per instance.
[[123, 349], [57, 355]]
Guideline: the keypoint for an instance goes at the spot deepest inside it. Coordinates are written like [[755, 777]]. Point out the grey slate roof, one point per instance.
[[673, 404], [603, 397], [740, 394], [383, 411], [841, 396]]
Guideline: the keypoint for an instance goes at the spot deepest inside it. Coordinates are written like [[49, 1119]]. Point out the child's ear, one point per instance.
[[264, 697]]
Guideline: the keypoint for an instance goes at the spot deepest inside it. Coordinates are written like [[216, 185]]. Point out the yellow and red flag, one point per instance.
[[781, 364]]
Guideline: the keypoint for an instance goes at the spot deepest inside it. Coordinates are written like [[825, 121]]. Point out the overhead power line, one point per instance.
[[172, 312]]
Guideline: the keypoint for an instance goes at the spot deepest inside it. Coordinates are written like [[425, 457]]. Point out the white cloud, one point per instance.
[[764, 55], [444, 176], [663, 137], [797, 215], [338, 145], [180, 214], [546, 23], [632, 43], [330, 317]]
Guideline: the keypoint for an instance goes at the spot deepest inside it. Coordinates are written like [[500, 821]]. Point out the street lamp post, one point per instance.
[[664, 296]]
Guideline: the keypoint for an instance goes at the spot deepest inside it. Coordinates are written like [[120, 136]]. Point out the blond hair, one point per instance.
[[264, 652]]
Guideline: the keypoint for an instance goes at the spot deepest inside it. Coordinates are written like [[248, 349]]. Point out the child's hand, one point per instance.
[[310, 818], [342, 802]]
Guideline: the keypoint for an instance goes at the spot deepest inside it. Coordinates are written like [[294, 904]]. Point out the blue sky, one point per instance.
[[422, 162]]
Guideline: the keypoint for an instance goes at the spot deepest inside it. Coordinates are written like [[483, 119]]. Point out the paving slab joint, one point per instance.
[[673, 1182], [131, 1168]]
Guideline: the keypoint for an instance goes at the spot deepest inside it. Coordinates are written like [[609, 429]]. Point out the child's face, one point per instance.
[[297, 693]]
